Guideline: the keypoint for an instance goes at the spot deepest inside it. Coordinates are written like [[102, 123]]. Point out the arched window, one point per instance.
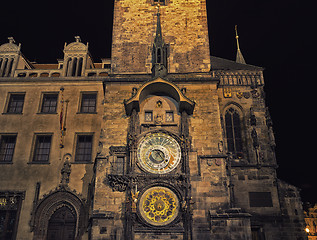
[[68, 67], [74, 66], [62, 225], [233, 131], [159, 56], [10, 67], [3, 67], [79, 67]]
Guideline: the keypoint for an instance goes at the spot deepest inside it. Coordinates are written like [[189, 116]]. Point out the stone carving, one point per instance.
[[239, 95], [254, 137], [117, 182], [50, 204], [134, 91], [269, 124], [255, 93], [220, 146], [65, 171], [134, 197], [158, 119], [246, 95], [159, 104], [117, 149], [252, 117]]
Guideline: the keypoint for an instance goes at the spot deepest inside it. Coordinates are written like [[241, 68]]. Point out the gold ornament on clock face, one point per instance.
[[159, 206], [159, 153]]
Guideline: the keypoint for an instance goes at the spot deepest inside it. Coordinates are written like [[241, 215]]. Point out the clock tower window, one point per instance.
[[161, 2]]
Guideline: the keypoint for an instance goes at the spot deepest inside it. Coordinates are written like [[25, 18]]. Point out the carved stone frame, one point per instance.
[[50, 204]]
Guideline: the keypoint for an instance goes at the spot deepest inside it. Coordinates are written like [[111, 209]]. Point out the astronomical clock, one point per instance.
[[159, 184], [158, 156], [158, 153], [158, 206]]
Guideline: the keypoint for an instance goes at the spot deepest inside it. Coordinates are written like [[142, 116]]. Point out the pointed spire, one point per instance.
[[158, 37], [159, 51], [239, 58]]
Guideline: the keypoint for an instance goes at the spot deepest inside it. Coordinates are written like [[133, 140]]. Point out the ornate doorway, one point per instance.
[[62, 225]]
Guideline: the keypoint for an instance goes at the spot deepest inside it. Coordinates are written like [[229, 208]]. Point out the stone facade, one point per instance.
[[41, 184], [177, 144], [311, 222], [185, 31]]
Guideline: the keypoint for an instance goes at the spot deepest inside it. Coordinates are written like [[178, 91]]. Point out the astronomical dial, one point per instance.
[[159, 206], [159, 153]]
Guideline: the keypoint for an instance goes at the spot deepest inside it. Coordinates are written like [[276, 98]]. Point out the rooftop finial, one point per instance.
[[240, 58], [158, 28], [77, 38], [11, 40], [158, 7]]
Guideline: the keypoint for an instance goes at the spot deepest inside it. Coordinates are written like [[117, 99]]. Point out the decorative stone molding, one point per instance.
[[50, 204]]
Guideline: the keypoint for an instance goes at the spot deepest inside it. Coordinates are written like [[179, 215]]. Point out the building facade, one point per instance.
[[162, 141], [311, 222]]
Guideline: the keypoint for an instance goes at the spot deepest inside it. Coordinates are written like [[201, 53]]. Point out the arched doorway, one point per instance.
[[62, 225]]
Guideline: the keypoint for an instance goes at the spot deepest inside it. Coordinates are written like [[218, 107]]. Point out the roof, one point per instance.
[[225, 64]]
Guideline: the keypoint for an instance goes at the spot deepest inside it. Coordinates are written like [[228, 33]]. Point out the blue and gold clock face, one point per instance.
[[159, 153]]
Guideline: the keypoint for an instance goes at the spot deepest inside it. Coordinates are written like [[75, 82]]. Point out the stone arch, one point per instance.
[[159, 86], [62, 219], [235, 105], [53, 202]]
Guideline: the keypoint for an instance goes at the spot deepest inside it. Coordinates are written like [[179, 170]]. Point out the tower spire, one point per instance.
[[158, 26], [159, 52], [239, 58]]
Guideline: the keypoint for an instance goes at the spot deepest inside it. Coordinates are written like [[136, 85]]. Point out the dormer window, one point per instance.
[[6, 66], [74, 67]]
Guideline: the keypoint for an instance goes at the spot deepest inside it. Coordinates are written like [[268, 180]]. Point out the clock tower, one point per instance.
[[183, 27], [186, 151], [143, 186]]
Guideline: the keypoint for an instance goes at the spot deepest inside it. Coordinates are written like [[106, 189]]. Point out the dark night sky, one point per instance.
[[274, 34]]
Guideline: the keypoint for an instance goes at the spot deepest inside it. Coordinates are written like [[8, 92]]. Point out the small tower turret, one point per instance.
[[159, 51]]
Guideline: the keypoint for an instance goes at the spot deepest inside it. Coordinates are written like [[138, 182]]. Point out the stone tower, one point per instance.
[[184, 26], [186, 148], [168, 143]]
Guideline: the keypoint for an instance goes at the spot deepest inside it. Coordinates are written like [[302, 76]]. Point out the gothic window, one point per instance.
[[88, 103], [159, 56], [62, 225], [49, 103], [16, 103], [7, 145], [233, 131], [10, 204], [42, 148], [83, 148]]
